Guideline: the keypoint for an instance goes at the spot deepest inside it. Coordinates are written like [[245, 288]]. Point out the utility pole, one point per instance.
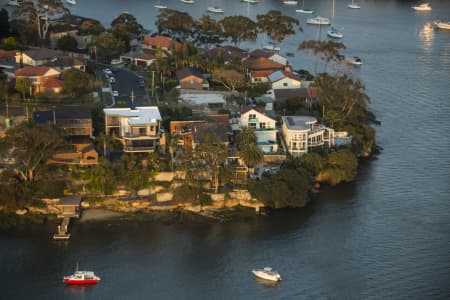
[[153, 84], [132, 97]]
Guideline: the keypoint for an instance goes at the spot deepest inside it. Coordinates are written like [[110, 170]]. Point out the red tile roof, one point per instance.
[[32, 71], [260, 73], [5, 55], [261, 53], [161, 41], [53, 83], [262, 63]]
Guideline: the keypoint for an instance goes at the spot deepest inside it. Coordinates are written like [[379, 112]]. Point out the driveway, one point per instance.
[[127, 81]]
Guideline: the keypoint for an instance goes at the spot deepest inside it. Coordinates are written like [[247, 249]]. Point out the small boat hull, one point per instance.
[[318, 21], [442, 25], [267, 274], [353, 6], [80, 282], [304, 11]]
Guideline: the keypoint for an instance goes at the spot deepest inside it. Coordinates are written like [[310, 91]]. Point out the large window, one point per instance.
[[262, 125]]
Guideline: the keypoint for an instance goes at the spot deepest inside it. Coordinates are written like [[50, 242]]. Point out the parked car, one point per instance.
[[141, 84], [112, 79], [107, 71], [115, 93], [116, 62]]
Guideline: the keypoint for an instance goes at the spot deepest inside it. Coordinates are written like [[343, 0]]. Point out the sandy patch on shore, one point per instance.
[[97, 214]]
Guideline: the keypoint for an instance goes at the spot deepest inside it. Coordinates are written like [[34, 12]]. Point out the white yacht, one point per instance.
[[318, 21], [355, 60], [304, 10], [267, 274], [422, 7], [15, 2], [251, 1], [353, 5], [335, 33], [188, 1], [215, 9], [271, 48], [290, 2], [72, 2], [442, 25]]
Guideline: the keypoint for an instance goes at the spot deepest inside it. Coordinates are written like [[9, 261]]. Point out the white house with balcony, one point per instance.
[[284, 80], [301, 133], [138, 129], [265, 129]]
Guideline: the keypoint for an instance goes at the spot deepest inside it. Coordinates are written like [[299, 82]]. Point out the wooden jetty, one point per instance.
[[69, 207]]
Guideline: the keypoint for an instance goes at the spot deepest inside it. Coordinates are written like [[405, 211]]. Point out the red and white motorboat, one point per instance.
[[82, 277]]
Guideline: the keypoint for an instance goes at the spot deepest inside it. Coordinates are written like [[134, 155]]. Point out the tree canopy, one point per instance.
[[176, 24], [31, 145], [4, 23], [67, 43], [108, 46], [276, 25], [77, 82], [238, 28]]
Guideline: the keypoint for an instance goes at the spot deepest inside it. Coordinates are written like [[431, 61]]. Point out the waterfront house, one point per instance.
[[271, 55], [138, 129], [65, 63], [259, 69], [265, 127], [39, 76], [38, 56], [192, 79], [301, 133], [226, 53], [77, 124], [308, 94], [140, 57], [165, 43], [189, 131], [284, 80]]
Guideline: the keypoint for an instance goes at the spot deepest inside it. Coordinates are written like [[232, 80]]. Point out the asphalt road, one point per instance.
[[126, 82]]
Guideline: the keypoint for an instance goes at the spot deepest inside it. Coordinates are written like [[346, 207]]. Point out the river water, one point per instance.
[[385, 236]]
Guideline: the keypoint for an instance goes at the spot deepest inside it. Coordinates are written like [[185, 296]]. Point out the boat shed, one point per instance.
[[69, 206]]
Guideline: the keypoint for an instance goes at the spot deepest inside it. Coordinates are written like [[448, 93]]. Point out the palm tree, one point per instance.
[[251, 154], [172, 142], [246, 136], [107, 141]]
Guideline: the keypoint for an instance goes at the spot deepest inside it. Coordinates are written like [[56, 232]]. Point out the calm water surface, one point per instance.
[[387, 235]]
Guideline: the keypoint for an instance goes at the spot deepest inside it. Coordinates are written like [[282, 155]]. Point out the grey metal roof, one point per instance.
[[298, 122]]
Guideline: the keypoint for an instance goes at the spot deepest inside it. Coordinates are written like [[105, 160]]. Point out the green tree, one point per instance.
[[230, 79], [108, 46], [249, 151], [101, 178], [209, 31], [342, 166], [128, 23], [133, 175], [31, 145], [10, 43], [37, 15], [276, 25], [172, 143], [90, 26], [77, 82], [177, 24], [4, 23], [238, 29], [67, 43], [23, 85], [329, 50]]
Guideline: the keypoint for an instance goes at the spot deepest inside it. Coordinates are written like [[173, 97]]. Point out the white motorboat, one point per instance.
[[267, 274], [318, 21], [188, 1], [160, 6], [290, 2], [215, 9], [422, 7], [72, 2], [353, 5], [355, 60], [335, 33], [304, 10], [442, 25], [271, 48], [251, 1], [15, 2]]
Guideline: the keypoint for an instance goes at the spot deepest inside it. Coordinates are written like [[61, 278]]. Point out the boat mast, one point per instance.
[[332, 16]]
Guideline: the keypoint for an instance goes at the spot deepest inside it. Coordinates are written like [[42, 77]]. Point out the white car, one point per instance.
[[112, 80], [107, 71], [115, 93], [116, 62]]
